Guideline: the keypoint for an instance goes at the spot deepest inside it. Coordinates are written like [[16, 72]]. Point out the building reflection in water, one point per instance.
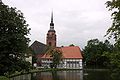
[[60, 75], [55, 75]]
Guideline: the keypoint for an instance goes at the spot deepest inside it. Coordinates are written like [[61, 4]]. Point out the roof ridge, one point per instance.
[[68, 46]]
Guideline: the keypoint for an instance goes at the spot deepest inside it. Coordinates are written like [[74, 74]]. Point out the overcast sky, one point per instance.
[[76, 21]]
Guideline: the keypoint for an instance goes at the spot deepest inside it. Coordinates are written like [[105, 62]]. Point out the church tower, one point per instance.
[[51, 35]]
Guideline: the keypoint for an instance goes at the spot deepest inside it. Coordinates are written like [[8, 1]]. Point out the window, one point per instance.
[[72, 62]]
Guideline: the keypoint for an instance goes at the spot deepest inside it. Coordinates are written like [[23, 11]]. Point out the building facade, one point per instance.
[[71, 58]]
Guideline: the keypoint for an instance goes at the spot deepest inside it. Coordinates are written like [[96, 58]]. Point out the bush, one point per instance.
[[3, 78]]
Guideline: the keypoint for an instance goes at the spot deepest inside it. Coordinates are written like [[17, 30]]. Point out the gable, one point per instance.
[[38, 47]]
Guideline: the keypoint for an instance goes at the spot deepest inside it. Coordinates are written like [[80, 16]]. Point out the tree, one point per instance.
[[71, 45], [56, 55], [13, 38], [94, 51], [114, 31]]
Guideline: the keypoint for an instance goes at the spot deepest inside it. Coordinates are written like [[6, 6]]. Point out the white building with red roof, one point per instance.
[[71, 58]]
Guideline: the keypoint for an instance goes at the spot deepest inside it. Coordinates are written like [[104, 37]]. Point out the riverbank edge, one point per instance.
[[40, 70]]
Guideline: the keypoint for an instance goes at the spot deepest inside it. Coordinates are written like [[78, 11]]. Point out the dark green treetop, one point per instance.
[[13, 37], [94, 50], [114, 30]]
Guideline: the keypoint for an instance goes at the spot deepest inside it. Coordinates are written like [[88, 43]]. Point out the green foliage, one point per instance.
[[3, 78], [114, 59], [94, 51], [114, 30], [56, 55], [71, 45], [31, 52], [13, 38], [114, 64]]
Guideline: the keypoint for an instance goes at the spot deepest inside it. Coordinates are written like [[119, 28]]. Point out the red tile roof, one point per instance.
[[68, 52], [71, 52]]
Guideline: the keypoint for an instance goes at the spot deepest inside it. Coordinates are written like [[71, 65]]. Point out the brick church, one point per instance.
[[71, 55]]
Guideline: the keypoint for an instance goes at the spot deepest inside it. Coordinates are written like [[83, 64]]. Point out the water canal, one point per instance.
[[67, 75]]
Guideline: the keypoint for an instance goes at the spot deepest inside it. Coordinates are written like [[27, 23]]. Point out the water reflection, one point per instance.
[[60, 75], [67, 75], [22, 77], [55, 75], [97, 74]]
